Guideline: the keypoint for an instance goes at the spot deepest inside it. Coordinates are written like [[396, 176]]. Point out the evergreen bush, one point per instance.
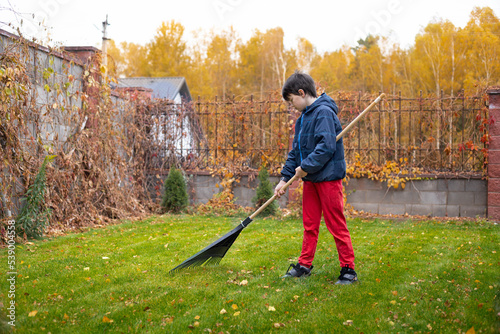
[[175, 196], [35, 216], [264, 192]]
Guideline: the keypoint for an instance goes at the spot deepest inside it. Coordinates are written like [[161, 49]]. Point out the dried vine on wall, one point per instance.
[[52, 105]]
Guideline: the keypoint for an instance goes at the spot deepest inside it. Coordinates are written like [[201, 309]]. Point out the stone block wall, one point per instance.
[[202, 187], [434, 198]]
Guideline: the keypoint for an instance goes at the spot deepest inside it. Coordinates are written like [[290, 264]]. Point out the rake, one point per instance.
[[214, 253]]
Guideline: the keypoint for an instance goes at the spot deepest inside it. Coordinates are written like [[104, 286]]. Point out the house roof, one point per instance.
[[166, 87]]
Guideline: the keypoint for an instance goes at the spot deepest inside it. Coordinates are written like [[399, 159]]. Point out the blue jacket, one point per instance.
[[314, 146]]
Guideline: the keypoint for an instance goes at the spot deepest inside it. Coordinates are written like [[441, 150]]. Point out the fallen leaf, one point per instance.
[[234, 307], [86, 268], [377, 279], [471, 331], [429, 326], [196, 324], [197, 317], [66, 317], [106, 319], [236, 314], [393, 302], [395, 293], [32, 313], [348, 322], [271, 308], [244, 282], [223, 311]]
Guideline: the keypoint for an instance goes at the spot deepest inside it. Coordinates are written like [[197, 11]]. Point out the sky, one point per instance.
[[328, 24]]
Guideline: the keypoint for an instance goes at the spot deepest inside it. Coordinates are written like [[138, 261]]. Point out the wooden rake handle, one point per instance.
[[340, 135]]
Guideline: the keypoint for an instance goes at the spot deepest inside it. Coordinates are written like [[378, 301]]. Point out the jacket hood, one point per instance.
[[323, 100]]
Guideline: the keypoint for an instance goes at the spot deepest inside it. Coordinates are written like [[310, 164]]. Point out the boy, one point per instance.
[[318, 159]]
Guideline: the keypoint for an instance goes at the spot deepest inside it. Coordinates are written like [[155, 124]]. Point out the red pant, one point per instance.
[[326, 198]]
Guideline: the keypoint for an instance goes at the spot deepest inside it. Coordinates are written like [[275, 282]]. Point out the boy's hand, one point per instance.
[[300, 172], [279, 191]]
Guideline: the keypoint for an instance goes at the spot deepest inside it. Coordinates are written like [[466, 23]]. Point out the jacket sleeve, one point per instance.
[[325, 142], [288, 170]]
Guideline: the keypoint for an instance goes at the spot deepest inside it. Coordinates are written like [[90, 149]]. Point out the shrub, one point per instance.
[[264, 192], [35, 216], [175, 196]]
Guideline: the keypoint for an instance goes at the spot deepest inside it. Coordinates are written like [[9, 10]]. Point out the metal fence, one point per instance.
[[432, 133]]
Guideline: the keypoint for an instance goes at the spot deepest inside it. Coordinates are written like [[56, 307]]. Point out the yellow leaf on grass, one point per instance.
[[234, 307], [236, 314], [32, 313], [197, 317], [66, 317], [471, 331], [223, 311], [271, 308], [106, 319], [393, 302], [395, 293]]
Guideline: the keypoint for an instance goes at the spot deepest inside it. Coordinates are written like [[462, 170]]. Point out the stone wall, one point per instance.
[[202, 187], [440, 197], [435, 198]]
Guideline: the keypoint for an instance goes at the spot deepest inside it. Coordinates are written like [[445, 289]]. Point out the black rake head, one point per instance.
[[213, 254]]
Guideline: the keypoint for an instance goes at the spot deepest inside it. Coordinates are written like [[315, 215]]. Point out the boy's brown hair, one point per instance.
[[296, 81]]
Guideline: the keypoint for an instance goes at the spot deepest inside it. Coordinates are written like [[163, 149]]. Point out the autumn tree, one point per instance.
[[264, 64], [221, 62], [306, 54], [483, 53], [443, 57], [332, 69]]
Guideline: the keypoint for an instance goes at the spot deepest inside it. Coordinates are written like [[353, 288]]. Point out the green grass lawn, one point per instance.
[[418, 277]]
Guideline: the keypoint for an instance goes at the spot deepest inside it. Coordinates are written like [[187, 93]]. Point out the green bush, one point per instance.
[[264, 192], [175, 196], [35, 216]]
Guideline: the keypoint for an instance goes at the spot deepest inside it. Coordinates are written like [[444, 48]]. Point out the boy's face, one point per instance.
[[299, 102]]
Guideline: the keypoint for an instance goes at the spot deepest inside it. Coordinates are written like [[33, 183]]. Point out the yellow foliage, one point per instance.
[[394, 173]]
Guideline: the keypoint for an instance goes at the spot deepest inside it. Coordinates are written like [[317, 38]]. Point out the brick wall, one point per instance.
[[494, 156]]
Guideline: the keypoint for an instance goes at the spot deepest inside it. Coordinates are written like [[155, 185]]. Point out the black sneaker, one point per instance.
[[298, 271], [347, 276]]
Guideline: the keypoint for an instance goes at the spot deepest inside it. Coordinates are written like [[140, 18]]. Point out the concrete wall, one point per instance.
[[435, 198], [202, 187]]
